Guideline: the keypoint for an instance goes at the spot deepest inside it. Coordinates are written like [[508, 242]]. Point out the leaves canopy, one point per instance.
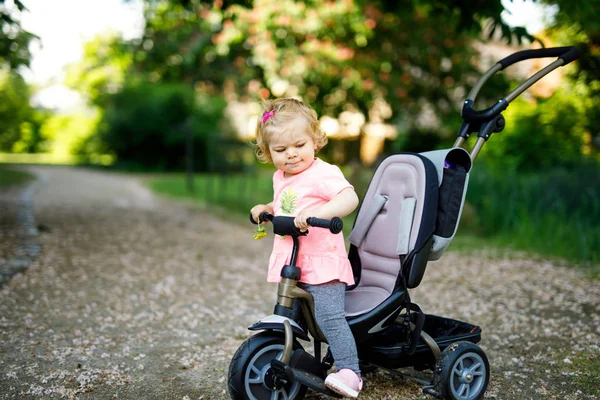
[[382, 58], [14, 40]]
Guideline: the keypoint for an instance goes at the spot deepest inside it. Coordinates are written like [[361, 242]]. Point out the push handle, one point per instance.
[[566, 53]]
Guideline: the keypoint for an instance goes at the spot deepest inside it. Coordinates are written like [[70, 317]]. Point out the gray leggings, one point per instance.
[[329, 310]]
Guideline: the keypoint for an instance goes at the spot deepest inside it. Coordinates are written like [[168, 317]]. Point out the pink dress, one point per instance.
[[322, 255]]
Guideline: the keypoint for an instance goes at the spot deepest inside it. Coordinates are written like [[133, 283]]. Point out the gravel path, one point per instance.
[[136, 297]]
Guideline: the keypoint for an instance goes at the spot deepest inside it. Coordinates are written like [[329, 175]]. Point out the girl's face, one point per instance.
[[292, 151]]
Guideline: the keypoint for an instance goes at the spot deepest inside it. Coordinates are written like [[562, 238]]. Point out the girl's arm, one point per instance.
[[340, 205]]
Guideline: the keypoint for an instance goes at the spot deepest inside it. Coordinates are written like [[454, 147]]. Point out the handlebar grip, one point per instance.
[[335, 224], [262, 218]]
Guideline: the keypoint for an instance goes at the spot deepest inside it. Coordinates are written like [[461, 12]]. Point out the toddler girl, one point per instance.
[[288, 135]]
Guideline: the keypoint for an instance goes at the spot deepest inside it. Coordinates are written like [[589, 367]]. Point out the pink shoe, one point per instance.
[[344, 382]]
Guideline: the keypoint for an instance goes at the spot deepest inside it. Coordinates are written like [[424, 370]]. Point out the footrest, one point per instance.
[[302, 377], [282, 371]]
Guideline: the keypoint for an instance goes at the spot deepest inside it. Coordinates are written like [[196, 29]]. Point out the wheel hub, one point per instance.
[[466, 378], [269, 379]]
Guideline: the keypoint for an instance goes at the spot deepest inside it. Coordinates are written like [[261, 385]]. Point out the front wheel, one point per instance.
[[462, 372], [250, 376]]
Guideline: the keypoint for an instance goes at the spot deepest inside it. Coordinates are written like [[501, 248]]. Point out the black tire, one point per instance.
[[246, 376], [462, 372]]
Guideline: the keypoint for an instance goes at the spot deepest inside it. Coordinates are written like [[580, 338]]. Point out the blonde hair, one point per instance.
[[276, 118]]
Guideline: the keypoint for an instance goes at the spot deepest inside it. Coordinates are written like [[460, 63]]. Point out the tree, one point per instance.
[[16, 115], [14, 108], [409, 64], [102, 70], [338, 55], [578, 23], [14, 40]]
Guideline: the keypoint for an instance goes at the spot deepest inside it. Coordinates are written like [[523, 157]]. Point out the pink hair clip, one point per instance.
[[268, 115]]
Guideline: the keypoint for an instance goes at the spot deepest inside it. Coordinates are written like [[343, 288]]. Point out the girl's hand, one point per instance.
[[300, 220], [259, 209]]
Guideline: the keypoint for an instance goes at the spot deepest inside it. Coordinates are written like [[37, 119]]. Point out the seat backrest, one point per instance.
[[408, 216], [395, 221]]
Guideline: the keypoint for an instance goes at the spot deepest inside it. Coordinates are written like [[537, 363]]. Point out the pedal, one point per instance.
[[313, 382], [285, 372]]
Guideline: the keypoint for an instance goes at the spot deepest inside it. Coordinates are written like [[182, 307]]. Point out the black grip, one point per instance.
[[335, 224], [262, 218], [284, 225], [567, 53]]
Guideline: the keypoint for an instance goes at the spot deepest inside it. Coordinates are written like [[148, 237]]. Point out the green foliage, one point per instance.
[[235, 193], [336, 55], [578, 24], [14, 40], [102, 69], [556, 212], [145, 125], [15, 111], [472, 17], [541, 134], [67, 135], [19, 124]]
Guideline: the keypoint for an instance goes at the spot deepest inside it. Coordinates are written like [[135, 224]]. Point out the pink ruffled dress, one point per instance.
[[322, 255]]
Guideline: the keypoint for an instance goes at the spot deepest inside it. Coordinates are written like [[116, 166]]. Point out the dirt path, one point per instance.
[[135, 297]]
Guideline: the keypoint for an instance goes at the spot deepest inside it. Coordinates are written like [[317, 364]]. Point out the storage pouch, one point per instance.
[[453, 166]]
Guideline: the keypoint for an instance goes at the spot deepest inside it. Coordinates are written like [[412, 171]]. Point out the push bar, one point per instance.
[[565, 55]]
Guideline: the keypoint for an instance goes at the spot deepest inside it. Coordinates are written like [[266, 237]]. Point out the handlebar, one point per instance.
[[283, 225]]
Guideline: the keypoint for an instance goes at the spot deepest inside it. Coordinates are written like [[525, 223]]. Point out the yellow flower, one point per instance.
[[260, 232]]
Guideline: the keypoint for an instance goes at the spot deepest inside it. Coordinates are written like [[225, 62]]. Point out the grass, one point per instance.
[[233, 195], [527, 216], [556, 213], [54, 159], [503, 245], [10, 177], [586, 370]]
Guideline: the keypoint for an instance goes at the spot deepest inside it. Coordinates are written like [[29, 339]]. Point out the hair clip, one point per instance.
[[268, 115]]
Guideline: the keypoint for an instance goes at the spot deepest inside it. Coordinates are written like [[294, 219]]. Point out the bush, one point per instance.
[[145, 126], [556, 212], [548, 133]]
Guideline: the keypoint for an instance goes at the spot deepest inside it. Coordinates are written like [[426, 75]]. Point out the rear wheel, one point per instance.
[[250, 376], [462, 372]]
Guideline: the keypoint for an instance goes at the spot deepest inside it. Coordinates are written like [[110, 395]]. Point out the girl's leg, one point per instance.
[[329, 310]]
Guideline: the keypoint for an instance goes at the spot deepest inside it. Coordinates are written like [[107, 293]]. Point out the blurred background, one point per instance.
[[171, 90]]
